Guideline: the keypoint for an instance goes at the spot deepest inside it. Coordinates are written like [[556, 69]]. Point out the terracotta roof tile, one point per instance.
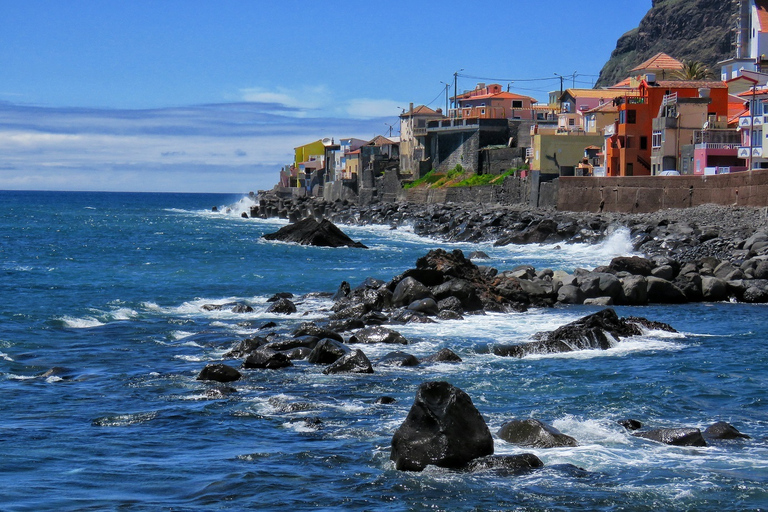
[[659, 61], [762, 15], [708, 84]]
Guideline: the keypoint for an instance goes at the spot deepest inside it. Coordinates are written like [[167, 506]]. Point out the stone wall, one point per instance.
[[643, 194]]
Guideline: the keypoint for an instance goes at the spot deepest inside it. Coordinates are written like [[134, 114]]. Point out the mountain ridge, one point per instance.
[[698, 30]]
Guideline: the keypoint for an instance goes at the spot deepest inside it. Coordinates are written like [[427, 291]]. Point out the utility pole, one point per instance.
[[455, 89], [560, 98]]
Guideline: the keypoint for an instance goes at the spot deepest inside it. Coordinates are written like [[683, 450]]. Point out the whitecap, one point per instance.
[[5, 356], [81, 323]]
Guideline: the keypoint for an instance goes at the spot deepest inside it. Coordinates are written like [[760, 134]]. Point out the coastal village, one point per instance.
[[669, 118]]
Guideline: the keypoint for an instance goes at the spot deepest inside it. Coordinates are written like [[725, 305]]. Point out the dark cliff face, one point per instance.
[[697, 30]]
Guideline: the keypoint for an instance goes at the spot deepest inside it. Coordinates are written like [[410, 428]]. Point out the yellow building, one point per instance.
[[314, 151], [559, 153]]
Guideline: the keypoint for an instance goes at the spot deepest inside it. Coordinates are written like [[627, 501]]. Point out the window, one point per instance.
[[622, 116], [517, 104], [656, 140], [571, 122], [629, 142], [630, 170], [757, 138], [643, 142], [631, 116]]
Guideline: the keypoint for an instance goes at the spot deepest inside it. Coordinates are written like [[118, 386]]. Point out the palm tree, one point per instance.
[[693, 70]]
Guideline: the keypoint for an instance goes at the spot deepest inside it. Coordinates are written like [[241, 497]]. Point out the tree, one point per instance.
[[693, 70]]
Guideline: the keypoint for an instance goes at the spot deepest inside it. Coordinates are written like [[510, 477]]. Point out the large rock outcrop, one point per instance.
[[698, 30], [599, 330], [443, 428], [311, 232]]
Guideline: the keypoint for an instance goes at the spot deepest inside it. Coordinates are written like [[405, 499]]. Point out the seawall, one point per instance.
[[644, 194]]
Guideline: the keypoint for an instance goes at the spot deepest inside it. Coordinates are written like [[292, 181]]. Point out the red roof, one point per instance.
[[659, 61], [762, 15], [421, 110]]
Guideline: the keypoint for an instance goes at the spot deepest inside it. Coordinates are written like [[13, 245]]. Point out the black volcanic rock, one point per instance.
[[590, 332], [219, 373], [311, 232], [675, 436], [443, 428], [534, 433]]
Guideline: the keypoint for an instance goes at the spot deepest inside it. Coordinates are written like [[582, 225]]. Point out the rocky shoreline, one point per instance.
[[443, 427], [706, 253]]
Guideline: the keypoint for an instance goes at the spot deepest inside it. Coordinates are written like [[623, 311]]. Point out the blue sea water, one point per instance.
[[102, 335]]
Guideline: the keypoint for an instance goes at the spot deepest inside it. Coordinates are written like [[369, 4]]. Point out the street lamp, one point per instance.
[[446, 97]]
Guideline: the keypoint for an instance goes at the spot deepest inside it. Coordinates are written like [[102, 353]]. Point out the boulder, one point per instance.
[[634, 265], [267, 359], [674, 436], [354, 361], [310, 329], [634, 290], [282, 306], [723, 430], [427, 306], [713, 289], [398, 358], [596, 331], [311, 232], [409, 290], [570, 294], [246, 346], [378, 334], [444, 355], [242, 308], [219, 373], [459, 289], [664, 292], [630, 424], [327, 351], [535, 434], [506, 464], [443, 428]]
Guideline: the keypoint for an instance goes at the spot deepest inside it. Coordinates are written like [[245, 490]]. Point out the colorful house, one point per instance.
[[751, 40], [628, 144], [413, 134], [492, 102], [661, 65], [753, 142]]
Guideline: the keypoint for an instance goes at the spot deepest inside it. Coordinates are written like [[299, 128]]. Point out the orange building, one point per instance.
[[492, 102], [629, 140]]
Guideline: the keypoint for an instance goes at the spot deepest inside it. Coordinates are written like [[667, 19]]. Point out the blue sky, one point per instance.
[[212, 96]]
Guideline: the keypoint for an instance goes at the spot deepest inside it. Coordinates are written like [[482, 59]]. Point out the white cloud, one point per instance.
[[366, 108], [318, 101], [315, 98], [222, 148]]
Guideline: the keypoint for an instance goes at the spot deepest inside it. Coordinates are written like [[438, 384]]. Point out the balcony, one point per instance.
[[714, 145]]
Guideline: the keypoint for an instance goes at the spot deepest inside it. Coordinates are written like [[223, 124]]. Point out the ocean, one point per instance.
[[103, 332]]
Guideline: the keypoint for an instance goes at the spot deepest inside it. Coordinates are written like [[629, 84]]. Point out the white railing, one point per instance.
[[716, 145]]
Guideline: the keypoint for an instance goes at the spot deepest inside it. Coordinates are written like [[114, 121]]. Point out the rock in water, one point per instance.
[[311, 232], [443, 428], [535, 434], [723, 430], [596, 331], [219, 373], [675, 436]]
